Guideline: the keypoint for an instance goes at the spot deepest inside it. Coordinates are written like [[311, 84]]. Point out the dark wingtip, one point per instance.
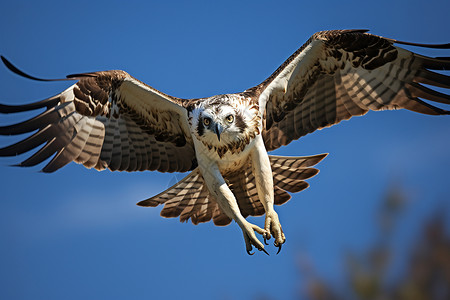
[[434, 46], [18, 165], [79, 75], [50, 102], [14, 69], [322, 156], [353, 30], [148, 203]]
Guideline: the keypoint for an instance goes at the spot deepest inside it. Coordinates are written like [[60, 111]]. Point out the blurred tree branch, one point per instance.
[[427, 274]]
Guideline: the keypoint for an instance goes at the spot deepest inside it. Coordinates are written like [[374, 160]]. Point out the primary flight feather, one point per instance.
[[111, 120]]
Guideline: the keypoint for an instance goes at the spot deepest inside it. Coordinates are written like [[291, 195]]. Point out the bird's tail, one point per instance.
[[190, 199], [290, 173]]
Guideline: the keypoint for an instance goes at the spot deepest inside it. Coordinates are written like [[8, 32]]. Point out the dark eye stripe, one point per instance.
[[200, 128], [240, 123]]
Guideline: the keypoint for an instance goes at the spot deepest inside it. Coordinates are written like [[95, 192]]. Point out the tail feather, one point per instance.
[[189, 198]]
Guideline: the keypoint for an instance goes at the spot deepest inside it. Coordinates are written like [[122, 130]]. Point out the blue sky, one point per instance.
[[77, 233]]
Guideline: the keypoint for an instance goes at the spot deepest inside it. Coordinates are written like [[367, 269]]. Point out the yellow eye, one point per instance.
[[206, 121], [229, 118]]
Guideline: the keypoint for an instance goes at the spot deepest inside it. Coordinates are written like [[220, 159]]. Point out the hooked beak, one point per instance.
[[218, 130]]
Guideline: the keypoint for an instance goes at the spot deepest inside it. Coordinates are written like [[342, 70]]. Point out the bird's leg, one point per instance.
[[229, 206], [264, 184], [225, 198]]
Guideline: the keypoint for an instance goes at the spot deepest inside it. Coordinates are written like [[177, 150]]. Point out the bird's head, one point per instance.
[[224, 120]]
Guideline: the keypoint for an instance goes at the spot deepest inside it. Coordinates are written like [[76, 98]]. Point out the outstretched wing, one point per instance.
[[343, 73], [106, 120]]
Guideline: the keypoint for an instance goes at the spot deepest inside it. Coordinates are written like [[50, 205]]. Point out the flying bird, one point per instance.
[[110, 120]]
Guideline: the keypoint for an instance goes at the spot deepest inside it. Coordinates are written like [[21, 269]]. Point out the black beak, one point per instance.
[[218, 130]]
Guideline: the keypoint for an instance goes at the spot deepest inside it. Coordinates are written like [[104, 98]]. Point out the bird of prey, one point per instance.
[[110, 120]]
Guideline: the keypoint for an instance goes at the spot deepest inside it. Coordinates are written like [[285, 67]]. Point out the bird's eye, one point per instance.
[[206, 121], [229, 118]]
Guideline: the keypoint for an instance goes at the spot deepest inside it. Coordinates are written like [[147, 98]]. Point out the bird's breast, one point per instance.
[[227, 158]]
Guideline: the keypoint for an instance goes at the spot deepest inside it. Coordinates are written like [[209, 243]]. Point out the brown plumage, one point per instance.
[[348, 73], [111, 120], [101, 122]]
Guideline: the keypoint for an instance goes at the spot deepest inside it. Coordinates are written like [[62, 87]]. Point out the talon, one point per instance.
[[273, 226], [250, 238], [264, 250], [279, 248], [265, 240]]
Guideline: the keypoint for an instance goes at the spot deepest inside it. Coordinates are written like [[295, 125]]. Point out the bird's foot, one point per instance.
[[273, 226], [249, 230]]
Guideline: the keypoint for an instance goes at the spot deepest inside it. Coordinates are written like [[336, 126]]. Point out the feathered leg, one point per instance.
[[219, 189], [264, 185]]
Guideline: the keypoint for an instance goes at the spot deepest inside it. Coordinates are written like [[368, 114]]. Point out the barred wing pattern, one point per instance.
[[111, 120], [189, 198], [343, 73], [106, 120]]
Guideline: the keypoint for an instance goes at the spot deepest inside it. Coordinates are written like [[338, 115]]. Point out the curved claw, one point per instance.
[[264, 250], [279, 248], [265, 240], [250, 253]]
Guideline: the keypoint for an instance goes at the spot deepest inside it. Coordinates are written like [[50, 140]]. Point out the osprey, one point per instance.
[[110, 120]]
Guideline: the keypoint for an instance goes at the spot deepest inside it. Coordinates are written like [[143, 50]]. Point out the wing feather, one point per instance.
[[343, 73], [90, 153], [105, 120], [73, 149]]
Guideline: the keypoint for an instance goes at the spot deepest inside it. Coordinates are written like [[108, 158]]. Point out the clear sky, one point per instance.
[[77, 233]]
